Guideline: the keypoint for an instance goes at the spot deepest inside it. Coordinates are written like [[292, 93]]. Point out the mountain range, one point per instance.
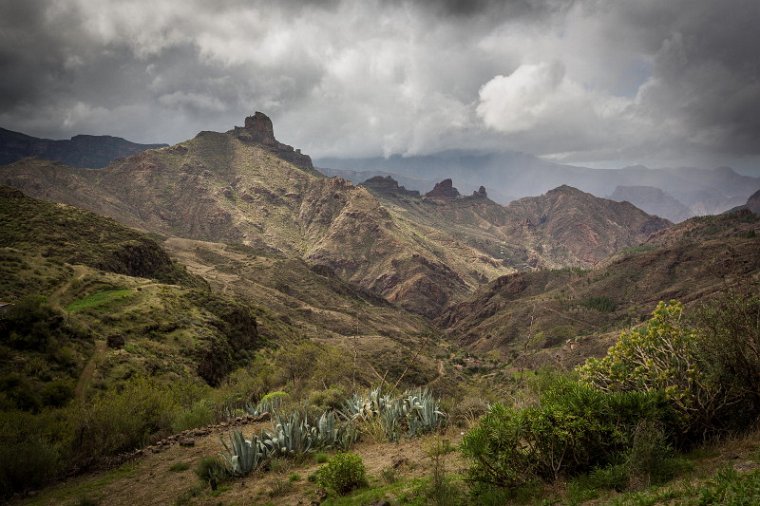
[[511, 175]]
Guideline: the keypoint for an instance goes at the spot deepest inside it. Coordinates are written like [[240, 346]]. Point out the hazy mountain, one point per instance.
[[91, 151], [512, 175], [654, 200]]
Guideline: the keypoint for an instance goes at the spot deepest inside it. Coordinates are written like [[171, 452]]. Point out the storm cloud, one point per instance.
[[581, 81]]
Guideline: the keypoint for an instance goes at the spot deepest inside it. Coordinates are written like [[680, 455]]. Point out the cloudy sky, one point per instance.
[[596, 82]]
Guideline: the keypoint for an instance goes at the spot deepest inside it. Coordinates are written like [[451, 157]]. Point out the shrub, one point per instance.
[[30, 454], [119, 421], [664, 356], [729, 330], [572, 430], [601, 303], [211, 470], [343, 473]]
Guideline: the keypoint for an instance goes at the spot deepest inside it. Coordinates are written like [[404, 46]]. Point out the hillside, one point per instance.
[[574, 308], [563, 228], [245, 187], [85, 290], [91, 151], [239, 187]]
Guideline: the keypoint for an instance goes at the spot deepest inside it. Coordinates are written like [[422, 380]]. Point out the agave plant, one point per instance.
[[244, 455]]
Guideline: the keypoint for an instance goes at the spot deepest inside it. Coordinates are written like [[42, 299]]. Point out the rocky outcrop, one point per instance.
[[387, 186], [258, 129], [480, 193], [444, 191]]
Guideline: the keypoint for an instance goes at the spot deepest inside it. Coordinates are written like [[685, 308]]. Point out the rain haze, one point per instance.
[[599, 84]]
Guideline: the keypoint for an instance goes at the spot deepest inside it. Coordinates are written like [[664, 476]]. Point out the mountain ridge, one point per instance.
[[84, 151]]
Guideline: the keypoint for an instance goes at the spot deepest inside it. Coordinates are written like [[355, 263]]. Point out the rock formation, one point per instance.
[[388, 186], [443, 190], [259, 129]]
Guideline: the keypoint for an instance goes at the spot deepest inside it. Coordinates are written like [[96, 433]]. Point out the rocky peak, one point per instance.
[[481, 193], [443, 190], [260, 128], [388, 186]]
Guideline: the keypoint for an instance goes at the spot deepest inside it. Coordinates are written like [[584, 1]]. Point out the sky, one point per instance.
[[603, 83]]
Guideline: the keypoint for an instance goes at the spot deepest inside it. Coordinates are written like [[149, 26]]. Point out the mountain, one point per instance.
[[241, 187], [563, 228], [654, 200], [535, 312], [91, 151], [511, 175], [423, 253]]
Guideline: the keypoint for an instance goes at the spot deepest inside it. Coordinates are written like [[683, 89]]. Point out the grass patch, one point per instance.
[[403, 491], [178, 467], [87, 487], [97, 299]]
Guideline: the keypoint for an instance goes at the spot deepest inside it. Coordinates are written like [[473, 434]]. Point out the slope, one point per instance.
[[570, 307], [563, 228]]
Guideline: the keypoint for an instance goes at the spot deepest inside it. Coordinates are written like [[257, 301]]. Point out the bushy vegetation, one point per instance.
[[343, 473], [601, 303], [661, 388], [706, 373], [573, 429]]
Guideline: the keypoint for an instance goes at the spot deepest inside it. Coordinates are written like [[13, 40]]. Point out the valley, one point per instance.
[[183, 286]]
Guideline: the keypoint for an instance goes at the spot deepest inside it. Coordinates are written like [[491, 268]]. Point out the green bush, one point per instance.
[[573, 429], [31, 452], [118, 421], [729, 331], [664, 356], [601, 303], [343, 473], [708, 373]]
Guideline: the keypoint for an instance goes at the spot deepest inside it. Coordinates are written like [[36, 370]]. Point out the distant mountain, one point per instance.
[[511, 175], [654, 200], [87, 151]]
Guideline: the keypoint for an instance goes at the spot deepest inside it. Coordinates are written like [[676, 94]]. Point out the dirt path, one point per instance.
[[89, 370], [80, 271]]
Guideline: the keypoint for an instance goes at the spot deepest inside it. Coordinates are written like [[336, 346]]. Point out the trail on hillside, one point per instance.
[[89, 370], [80, 271]]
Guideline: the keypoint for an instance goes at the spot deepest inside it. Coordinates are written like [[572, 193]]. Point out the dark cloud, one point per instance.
[[577, 80]]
